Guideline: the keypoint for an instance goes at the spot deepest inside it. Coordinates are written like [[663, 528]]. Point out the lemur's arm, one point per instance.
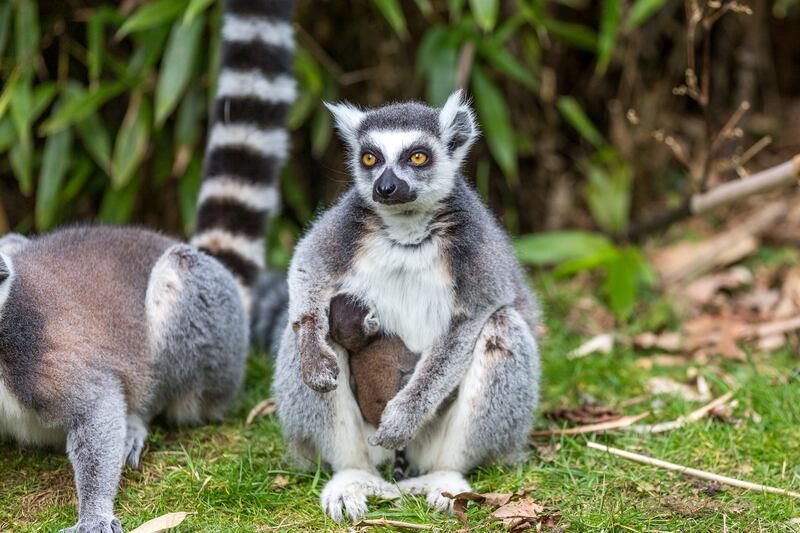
[[437, 374], [310, 291]]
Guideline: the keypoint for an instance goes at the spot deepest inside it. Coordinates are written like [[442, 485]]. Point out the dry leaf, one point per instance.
[[487, 499], [280, 482], [664, 360], [669, 341], [585, 414], [162, 523], [702, 290], [599, 344], [262, 409], [548, 452], [520, 515]]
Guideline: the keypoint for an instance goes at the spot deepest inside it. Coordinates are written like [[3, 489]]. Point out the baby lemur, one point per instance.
[[414, 243], [380, 365], [102, 329]]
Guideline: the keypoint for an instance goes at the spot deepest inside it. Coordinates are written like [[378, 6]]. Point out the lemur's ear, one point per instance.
[[458, 125], [348, 118]]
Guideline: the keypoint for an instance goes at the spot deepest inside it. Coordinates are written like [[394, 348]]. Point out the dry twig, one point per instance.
[[702, 474], [694, 416], [619, 423], [398, 524]]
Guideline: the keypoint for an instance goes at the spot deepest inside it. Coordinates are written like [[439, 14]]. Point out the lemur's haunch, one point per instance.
[[102, 329], [414, 243]]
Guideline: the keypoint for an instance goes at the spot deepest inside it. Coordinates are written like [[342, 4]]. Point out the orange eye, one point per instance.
[[369, 160], [418, 158]]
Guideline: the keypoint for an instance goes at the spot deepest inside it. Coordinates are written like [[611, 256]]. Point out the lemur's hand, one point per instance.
[[399, 424], [317, 358]]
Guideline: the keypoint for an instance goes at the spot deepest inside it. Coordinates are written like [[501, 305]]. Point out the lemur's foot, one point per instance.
[[94, 524], [348, 490], [135, 439], [433, 485]]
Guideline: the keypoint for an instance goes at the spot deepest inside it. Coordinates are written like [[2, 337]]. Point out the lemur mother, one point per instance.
[[413, 242]]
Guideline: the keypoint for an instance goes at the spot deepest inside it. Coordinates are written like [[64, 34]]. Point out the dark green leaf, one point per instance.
[[437, 61], [117, 204], [148, 52], [78, 176], [42, 96], [5, 24], [195, 8], [609, 27], [179, 60], [21, 158], [8, 134], [130, 145], [151, 15], [321, 130], [608, 190], [485, 12], [496, 121], [95, 40], [26, 33], [641, 12], [190, 113], [622, 282], [573, 113], [188, 189], [95, 137], [559, 246], [393, 14], [576, 35], [8, 90], [497, 56], [55, 162], [81, 106], [21, 104]]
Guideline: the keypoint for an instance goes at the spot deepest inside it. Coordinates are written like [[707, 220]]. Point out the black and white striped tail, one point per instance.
[[248, 143]]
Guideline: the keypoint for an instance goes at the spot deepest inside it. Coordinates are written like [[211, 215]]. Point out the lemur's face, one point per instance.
[[405, 157]]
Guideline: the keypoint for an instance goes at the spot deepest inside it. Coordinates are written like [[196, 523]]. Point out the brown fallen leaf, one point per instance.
[[523, 514], [664, 360], [547, 452], [280, 482], [585, 414], [162, 523], [486, 499], [262, 409], [664, 385], [703, 289]]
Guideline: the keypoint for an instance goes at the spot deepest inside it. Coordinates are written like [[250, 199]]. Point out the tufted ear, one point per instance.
[[348, 118], [457, 124]]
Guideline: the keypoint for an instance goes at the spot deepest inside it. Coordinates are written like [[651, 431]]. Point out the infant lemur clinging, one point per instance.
[[413, 243], [102, 329]]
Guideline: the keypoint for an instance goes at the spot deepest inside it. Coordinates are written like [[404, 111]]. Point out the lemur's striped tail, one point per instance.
[[248, 142]]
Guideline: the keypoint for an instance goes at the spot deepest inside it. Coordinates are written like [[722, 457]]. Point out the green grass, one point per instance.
[[226, 474]]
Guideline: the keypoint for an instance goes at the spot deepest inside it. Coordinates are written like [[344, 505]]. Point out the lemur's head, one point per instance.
[[406, 155]]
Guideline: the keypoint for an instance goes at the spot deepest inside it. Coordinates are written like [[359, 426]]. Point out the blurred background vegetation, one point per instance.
[[586, 119]]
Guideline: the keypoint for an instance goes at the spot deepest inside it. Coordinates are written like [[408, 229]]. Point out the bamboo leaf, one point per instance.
[[393, 14], [641, 12], [499, 57], [151, 15], [195, 8], [609, 27], [437, 61], [95, 137], [177, 66], [21, 158], [81, 106], [559, 246], [321, 130], [622, 282], [576, 35], [130, 145], [496, 120], [95, 40], [572, 112], [188, 189], [26, 33], [42, 96], [117, 204], [21, 104], [8, 134], [55, 162], [485, 12]]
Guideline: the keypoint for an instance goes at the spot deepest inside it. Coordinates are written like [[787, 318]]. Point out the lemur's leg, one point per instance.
[[490, 418], [96, 450], [135, 439], [330, 425], [200, 331]]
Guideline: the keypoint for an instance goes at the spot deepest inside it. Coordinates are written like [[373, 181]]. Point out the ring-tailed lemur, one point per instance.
[[414, 242], [102, 329]]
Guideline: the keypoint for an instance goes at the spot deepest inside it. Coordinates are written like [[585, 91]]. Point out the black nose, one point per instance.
[[390, 190], [385, 189]]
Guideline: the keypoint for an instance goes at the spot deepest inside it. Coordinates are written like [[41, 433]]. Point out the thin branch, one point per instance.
[[465, 59], [397, 524], [702, 474], [692, 417], [619, 423]]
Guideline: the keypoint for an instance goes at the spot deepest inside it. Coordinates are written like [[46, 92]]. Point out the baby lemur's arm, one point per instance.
[[439, 372]]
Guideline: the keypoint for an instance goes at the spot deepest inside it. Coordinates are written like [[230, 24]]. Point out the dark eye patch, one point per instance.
[[405, 155], [372, 149]]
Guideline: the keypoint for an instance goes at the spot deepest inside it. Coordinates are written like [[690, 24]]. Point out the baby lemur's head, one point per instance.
[[406, 156]]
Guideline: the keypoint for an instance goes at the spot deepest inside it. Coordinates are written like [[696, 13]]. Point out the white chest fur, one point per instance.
[[22, 425], [409, 288]]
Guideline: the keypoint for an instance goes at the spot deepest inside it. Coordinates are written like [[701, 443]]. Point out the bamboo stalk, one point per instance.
[[702, 474]]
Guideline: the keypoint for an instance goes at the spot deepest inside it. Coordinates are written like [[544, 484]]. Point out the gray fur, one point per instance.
[[87, 353], [486, 352]]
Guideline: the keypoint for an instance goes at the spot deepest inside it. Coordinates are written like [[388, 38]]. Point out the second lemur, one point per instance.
[[413, 242]]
